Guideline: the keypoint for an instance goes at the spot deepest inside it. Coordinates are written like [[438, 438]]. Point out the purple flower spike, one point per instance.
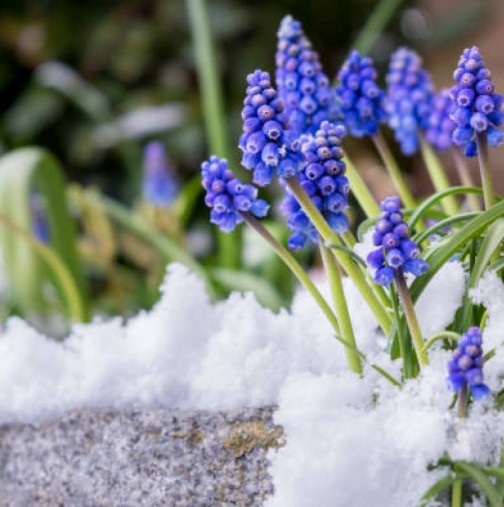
[[409, 96], [302, 85], [266, 142], [476, 109], [159, 185], [228, 196], [440, 124], [466, 365], [362, 102], [323, 180], [395, 249]]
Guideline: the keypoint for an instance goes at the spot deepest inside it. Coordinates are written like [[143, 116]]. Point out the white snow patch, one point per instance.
[[350, 441], [440, 300]]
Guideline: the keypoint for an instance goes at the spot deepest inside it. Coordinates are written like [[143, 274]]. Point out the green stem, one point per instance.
[[213, 109], [465, 178], [462, 402], [438, 176], [296, 269], [70, 291], [456, 500], [341, 308], [375, 24], [411, 318], [404, 346], [461, 414], [360, 190], [486, 173], [164, 245], [394, 171], [346, 262]]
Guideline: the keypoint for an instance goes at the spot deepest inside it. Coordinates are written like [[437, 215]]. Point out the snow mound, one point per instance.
[[350, 441]]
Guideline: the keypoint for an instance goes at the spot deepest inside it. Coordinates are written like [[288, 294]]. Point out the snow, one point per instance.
[[350, 441]]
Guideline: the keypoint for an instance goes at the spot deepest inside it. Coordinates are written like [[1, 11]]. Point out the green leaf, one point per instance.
[[437, 488], [437, 258], [489, 245], [348, 251], [21, 171], [445, 222], [478, 475], [421, 210]]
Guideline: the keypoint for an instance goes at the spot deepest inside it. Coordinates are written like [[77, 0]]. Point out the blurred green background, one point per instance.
[[137, 57], [94, 81]]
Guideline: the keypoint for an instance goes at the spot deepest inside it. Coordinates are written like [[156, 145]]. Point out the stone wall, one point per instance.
[[149, 458]]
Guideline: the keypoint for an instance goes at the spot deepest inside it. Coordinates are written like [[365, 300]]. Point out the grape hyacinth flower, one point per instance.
[[409, 98], [440, 126], [466, 365], [159, 185], [323, 180], [266, 143], [396, 250], [477, 108], [302, 85], [362, 102], [227, 196], [40, 225]]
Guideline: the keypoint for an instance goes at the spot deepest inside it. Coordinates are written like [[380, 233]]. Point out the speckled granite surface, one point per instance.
[[139, 458]]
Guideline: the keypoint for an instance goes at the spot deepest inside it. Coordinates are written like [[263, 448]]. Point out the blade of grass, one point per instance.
[[376, 23], [213, 109]]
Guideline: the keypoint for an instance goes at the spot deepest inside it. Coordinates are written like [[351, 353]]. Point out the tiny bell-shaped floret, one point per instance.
[[323, 180], [362, 103], [395, 249], [409, 98], [302, 85], [466, 365], [159, 185], [227, 196], [476, 108]]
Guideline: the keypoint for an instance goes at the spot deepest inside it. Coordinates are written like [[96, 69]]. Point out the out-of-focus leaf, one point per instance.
[[21, 171]]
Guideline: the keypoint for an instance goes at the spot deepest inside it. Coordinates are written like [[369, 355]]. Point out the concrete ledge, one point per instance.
[[93, 458]]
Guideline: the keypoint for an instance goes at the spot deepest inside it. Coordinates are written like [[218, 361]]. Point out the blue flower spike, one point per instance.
[[440, 124], [409, 98], [324, 181], [159, 184], [266, 143], [302, 85], [477, 108], [227, 196], [361, 101], [40, 224], [395, 249], [466, 365]]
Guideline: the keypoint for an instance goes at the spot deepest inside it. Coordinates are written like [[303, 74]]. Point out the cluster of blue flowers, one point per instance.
[[477, 108], [302, 85], [440, 126], [409, 98], [362, 102], [466, 365], [323, 180], [227, 196], [266, 143], [159, 184], [396, 250]]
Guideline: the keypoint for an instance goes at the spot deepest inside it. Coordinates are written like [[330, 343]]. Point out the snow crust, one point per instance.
[[350, 441]]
